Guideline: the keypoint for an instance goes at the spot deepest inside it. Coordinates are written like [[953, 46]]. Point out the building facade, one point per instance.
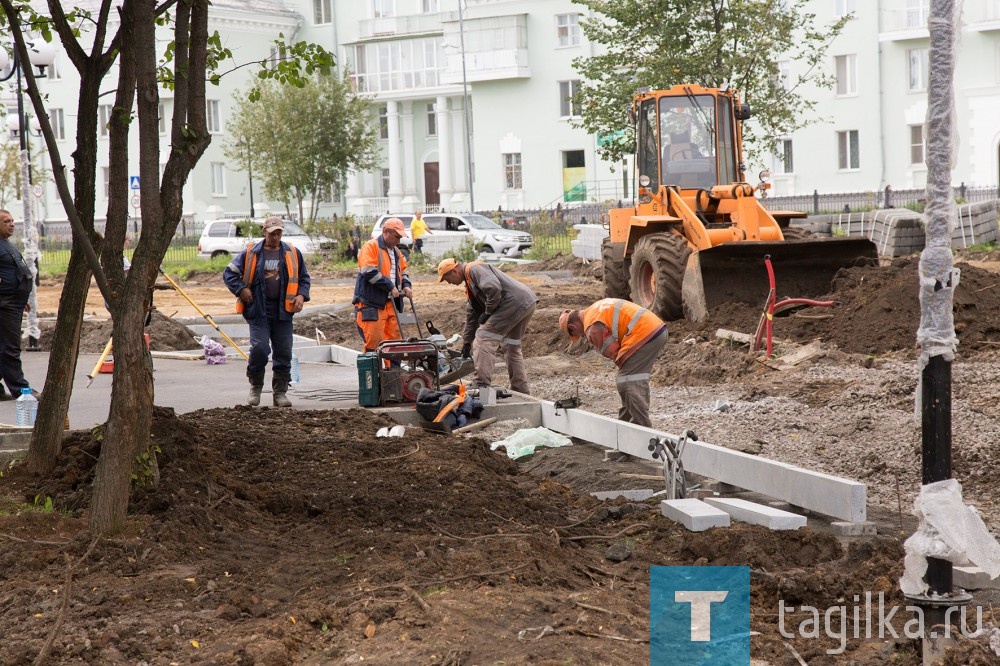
[[869, 129], [472, 102]]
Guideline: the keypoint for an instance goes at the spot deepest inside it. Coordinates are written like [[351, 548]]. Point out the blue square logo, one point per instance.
[[699, 615]]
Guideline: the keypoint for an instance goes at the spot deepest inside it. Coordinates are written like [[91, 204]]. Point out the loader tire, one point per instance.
[[796, 233], [615, 277], [658, 264]]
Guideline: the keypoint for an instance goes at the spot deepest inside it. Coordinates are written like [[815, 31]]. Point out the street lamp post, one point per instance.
[[465, 105], [245, 145], [41, 54]]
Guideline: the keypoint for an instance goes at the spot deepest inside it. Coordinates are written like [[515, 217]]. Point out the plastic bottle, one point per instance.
[[296, 377], [26, 408]]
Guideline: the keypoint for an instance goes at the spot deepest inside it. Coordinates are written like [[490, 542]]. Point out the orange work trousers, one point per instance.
[[376, 324]]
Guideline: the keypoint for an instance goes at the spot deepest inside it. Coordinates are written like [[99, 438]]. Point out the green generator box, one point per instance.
[[369, 391]]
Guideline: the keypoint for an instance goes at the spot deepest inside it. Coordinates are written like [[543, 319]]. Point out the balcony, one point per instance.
[[982, 17], [496, 48], [904, 24], [395, 26]]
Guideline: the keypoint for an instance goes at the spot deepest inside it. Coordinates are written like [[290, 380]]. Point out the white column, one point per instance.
[[411, 200], [354, 200], [445, 160], [395, 165], [460, 198]]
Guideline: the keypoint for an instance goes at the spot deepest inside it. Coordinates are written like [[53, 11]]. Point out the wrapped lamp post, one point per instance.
[[41, 54]]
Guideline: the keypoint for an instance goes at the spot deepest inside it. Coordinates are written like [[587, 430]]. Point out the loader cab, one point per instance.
[[687, 137]]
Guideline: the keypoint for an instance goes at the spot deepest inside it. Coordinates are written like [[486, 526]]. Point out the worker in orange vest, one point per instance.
[[380, 286], [629, 335], [271, 283]]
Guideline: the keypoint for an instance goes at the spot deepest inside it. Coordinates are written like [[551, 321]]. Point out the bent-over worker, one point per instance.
[[497, 315], [381, 283], [272, 283], [629, 335]]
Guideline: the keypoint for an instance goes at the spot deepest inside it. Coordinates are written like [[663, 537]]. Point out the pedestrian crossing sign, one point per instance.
[[133, 182]]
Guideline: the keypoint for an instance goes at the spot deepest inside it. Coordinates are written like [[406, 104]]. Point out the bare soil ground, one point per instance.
[[298, 537]]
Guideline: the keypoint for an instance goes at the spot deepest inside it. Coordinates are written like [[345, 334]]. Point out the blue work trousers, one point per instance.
[[265, 334]]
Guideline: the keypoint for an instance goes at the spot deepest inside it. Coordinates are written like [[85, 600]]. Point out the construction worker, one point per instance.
[[497, 315], [629, 335], [417, 229], [381, 283], [272, 283]]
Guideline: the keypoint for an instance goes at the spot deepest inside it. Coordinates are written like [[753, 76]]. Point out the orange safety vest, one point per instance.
[[631, 325], [468, 279], [291, 263]]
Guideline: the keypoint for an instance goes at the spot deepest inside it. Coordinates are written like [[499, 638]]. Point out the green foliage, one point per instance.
[[982, 247], [915, 206], [714, 43], [303, 140], [45, 506], [144, 467], [467, 251]]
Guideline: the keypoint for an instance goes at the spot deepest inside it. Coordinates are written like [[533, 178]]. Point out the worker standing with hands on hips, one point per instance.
[[497, 315], [417, 229], [380, 286], [632, 337], [271, 281]]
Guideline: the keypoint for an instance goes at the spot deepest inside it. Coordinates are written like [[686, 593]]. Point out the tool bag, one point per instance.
[[431, 402]]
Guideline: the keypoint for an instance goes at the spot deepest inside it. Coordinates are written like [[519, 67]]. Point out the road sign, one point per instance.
[[37, 190], [133, 182], [135, 201], [611, 137]]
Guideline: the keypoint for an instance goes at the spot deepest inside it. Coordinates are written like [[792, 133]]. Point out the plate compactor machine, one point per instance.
[[398, 370]]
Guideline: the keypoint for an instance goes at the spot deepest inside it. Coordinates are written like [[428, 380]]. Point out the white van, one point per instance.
[[228, 237]]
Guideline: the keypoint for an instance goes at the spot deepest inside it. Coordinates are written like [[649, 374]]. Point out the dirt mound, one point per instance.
[[879, 312], [300, 537], [165, 334]]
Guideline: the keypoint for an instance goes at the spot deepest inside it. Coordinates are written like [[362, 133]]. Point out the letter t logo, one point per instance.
[[701, 611]]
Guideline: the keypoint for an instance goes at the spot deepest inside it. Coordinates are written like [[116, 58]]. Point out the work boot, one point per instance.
[[256, 386], [279, 385]]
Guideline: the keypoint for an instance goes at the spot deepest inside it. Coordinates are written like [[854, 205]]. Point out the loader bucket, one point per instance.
[[735, 272]]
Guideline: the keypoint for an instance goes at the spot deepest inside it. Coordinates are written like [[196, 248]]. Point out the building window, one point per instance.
[[432, 121], [845, 7], [163, 118], [917, 66], [567, 90], [106, 175], [916, 144], [847, 74], [917, 13], [568, 29], [212, 117], [321, 11], [57, 120], [385, 182], [404, 64], [54, 71], [848, 151], [783, 158], [431, 7], [784, 74], [383, 8], [272, 60], [103, 118], [383, 123], [512, 171], [218, 179]]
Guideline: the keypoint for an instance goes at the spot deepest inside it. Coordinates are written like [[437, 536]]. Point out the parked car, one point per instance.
[[229, 237], [489, 236]]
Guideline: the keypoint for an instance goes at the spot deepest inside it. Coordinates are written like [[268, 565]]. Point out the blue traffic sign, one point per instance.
[[133, 182]]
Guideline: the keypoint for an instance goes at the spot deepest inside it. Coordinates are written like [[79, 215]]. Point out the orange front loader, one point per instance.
[[697, 235]]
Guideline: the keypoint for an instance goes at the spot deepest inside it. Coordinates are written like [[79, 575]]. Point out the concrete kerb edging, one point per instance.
[[822, 494]]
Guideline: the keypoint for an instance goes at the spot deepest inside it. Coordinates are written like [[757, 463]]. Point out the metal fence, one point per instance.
[[856, 202]]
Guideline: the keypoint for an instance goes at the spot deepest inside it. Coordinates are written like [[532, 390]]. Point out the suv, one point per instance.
[[490, 237], [228, 237]]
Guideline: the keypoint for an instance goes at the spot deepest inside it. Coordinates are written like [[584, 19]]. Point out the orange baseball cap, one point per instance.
[[445, 266], [395, 224], [564, 324]]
